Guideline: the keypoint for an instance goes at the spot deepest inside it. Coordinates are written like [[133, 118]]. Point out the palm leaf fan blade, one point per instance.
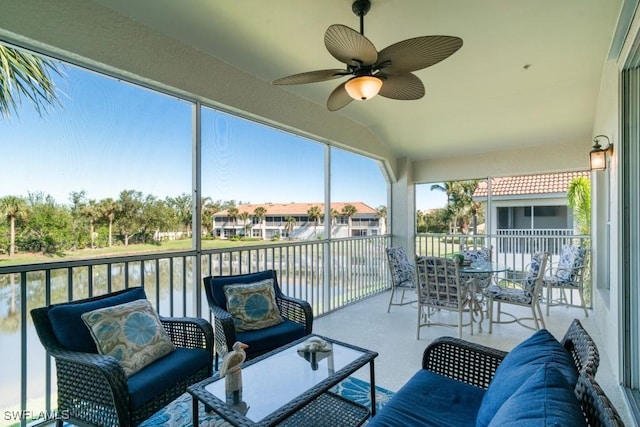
[[403, 87], [349, 46], [311, 77], [417, 53], [339, 98]]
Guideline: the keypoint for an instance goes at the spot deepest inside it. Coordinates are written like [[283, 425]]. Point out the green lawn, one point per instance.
[[167, 246]]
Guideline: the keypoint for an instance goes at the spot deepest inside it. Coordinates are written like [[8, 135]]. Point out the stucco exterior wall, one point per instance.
[[605, 235]]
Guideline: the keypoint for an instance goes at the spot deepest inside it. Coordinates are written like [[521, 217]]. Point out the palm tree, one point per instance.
[[381, 213], [260, 212], [449, 188], [579, 198], [315, 214], [349, 211], [92, 213], [203, 203], [208, 211], [289, 226], [108, 209], [12, 208], [25, 75], [244, 217], [467, 208], [233, 215]]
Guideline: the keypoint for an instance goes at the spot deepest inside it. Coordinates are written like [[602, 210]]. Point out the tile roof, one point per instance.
[[547, 183], [298, 208]]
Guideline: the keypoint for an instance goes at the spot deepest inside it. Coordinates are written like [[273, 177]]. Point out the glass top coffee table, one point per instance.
[[290, 387]]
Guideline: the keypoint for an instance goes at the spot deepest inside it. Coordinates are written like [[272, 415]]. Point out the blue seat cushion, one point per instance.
[[217, 284], [154, 379], [267, 339], [70, 329], [545, 399], [519, 365], [430, 399]]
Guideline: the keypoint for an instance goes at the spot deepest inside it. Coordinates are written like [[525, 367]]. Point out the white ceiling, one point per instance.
[[527, 74], [480, 100]]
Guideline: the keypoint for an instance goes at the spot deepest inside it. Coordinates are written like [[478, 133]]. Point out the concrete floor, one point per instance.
[[393, 335]]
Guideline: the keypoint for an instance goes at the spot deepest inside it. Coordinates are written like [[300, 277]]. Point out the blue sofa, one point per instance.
[[540, 382]]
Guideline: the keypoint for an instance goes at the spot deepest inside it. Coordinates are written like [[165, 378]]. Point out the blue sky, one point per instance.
[[109, 136]]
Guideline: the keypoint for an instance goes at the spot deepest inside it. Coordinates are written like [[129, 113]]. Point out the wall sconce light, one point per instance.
[[598, 154]]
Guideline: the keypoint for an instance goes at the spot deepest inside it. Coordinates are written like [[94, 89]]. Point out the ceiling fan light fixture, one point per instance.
[[362, 88]]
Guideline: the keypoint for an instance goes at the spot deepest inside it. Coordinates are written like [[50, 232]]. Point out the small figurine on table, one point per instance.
[[314, 349], [232, 372]]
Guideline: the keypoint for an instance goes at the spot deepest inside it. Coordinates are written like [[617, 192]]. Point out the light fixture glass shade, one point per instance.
[[363, 87], [598, 159]]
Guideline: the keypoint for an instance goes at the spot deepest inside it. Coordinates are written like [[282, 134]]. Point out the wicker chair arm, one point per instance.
[[296, 310], [596, 406], [224, 330], [462, 360], [189, 332], [582, 348], [97, 380]]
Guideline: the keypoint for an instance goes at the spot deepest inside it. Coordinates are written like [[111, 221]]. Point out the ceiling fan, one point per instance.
[[387, 72]]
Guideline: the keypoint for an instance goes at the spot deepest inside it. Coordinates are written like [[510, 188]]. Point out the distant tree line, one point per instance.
[[38, 224], [461, 215]]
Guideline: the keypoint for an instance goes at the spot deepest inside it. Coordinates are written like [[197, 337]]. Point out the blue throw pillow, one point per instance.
[[216, 284], [519, 365], [545, 399], [69, 327]]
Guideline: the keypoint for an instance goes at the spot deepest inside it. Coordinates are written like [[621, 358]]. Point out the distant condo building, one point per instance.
[[298, 221]]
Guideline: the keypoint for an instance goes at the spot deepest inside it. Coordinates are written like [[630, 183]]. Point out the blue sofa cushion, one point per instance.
[[154, 379], [218, 284], [519, 365], [266, 339], [430, 399], [545, 399], [70, 329]]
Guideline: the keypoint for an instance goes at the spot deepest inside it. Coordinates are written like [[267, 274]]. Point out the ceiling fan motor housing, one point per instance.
[[361, 7]]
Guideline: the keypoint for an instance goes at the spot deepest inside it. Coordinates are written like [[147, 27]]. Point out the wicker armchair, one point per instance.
[[93, 389], [296, 313]]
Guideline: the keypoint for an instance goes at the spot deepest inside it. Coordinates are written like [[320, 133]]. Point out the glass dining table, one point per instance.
[[482, 274]]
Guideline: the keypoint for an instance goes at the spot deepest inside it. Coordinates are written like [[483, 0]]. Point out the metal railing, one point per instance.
[[513, 250], [328, 274]]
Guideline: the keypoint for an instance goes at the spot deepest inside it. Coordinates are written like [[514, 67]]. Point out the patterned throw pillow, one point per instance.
[[532, 274], [253, 306], [571, 258], [130, 332]]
